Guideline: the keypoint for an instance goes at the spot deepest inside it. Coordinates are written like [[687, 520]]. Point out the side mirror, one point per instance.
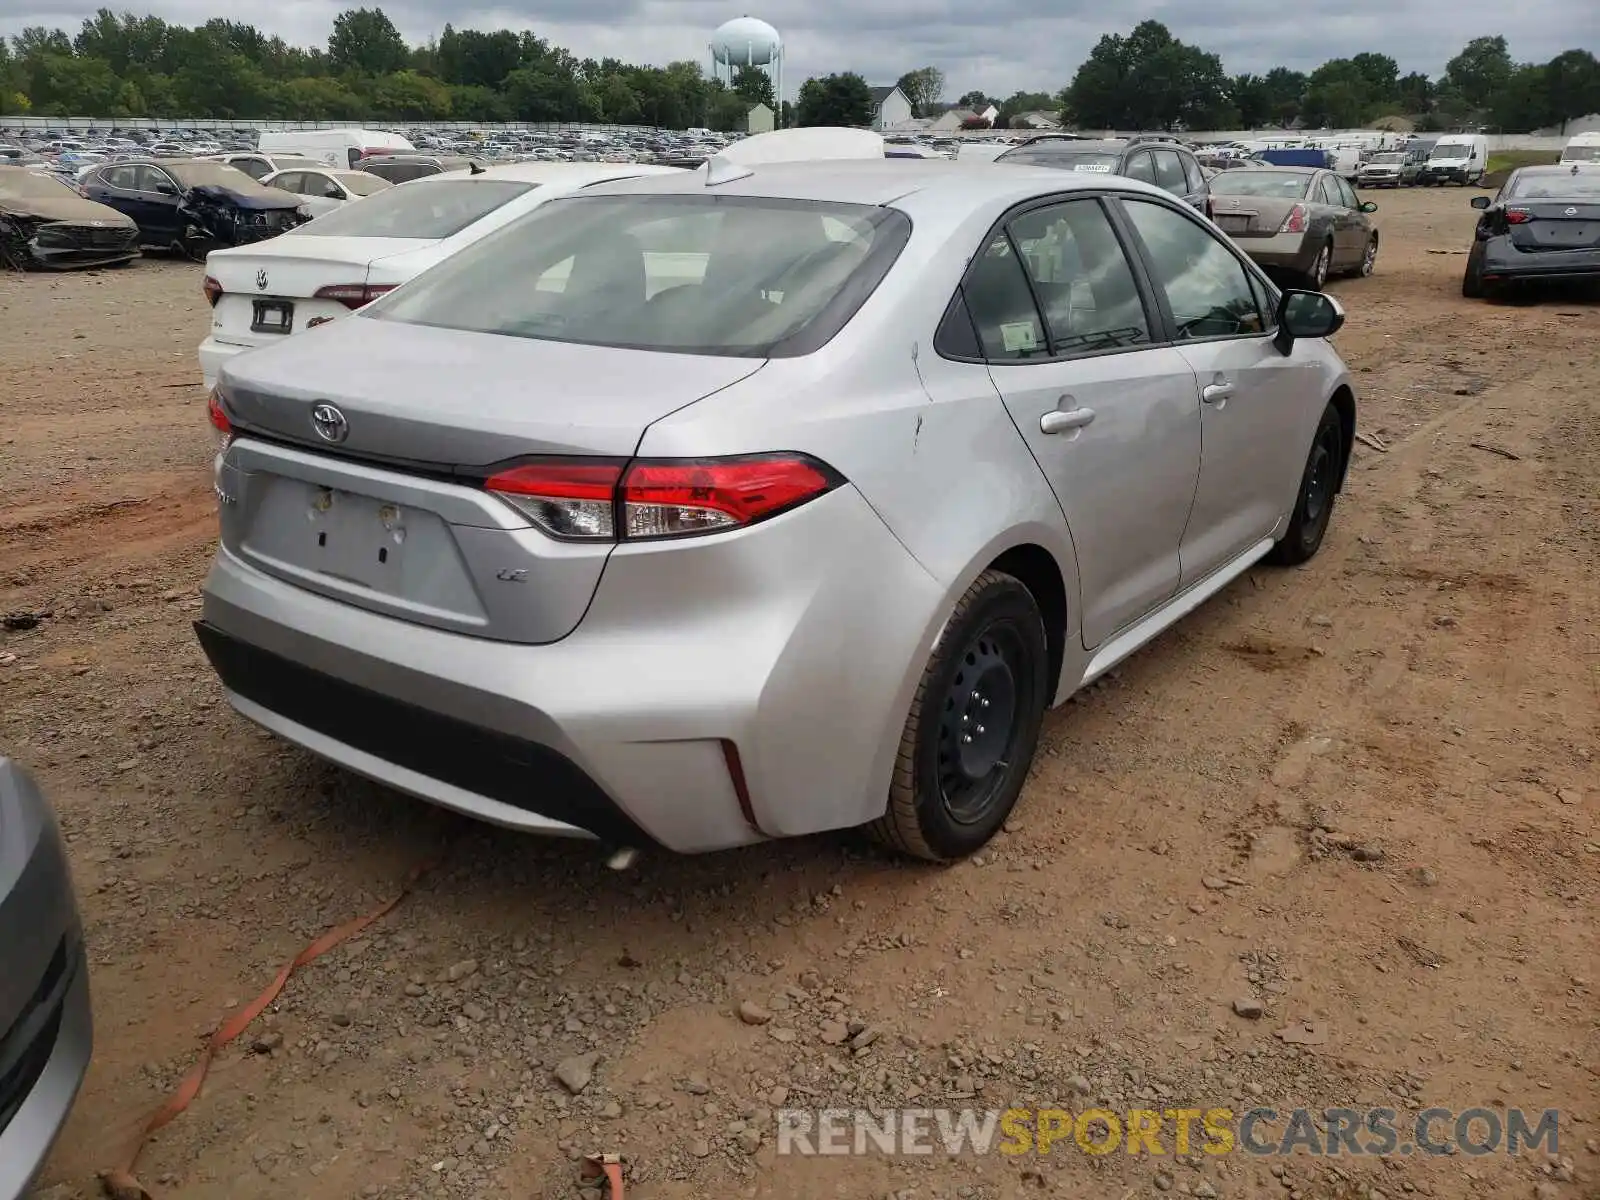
[[166, 189], [1369, 207], [1303, 314], [1480, 202]]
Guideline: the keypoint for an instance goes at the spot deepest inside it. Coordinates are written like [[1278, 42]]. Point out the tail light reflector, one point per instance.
[[1295, 222], [213, 291], [1518, 216], [353, 295], [605, 500]]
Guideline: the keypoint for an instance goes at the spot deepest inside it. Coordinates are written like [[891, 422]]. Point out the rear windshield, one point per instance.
[[1044, 154], [419, 210], [1562, 186], [1570, 154], [1281, 185], [401, 172], [735, 276], [363, 184]]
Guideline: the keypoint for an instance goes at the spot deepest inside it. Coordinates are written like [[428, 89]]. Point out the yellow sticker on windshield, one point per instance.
[[1019, 335]]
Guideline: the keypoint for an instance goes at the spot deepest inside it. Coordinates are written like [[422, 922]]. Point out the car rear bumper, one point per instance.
[[46, 1029], [745, 685], [1503, 262], [1281, 251]]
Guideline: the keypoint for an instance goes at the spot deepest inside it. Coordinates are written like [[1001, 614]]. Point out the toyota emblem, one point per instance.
[[1571, 212], [261, 279], [329, 423]]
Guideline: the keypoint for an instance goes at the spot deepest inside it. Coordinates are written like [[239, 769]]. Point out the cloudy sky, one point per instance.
[[994, 45]]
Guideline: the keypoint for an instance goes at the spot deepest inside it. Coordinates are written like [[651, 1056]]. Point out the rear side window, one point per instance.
[[1139, 167], [1328, 192], [1081, 277], [688, 274], [253, 167], [1192, 172], [290, 181], [1169, 172], [1001, 303], [422, 210]]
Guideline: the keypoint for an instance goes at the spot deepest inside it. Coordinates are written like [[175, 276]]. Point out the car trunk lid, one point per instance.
[[392, 516], [1250, 216], [270, 289], [1554, 224]]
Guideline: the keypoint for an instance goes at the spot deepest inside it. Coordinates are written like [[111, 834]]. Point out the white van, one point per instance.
[[342, 148], [1456, 158], [1584, 148]]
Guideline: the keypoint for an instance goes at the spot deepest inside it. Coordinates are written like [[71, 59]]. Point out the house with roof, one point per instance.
[[956, 118], [1036, 120], [890, 108]]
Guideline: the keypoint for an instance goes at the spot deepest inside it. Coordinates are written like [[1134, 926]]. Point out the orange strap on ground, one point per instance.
[[119, 1181], [608, 1165]]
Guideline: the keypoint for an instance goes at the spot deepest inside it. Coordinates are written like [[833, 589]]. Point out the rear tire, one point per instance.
[[1313, 504], [1472, 280], [974, 724], [1369, 258], [1317, 277]]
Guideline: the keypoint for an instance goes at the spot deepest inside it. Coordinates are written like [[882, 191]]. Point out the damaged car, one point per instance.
[[193, 206], [45, 224]]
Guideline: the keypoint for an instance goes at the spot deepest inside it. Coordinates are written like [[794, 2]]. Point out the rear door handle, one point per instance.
[[1216, 393], [1058, 421]]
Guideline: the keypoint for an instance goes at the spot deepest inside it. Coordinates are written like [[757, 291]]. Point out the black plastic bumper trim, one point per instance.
[[524, 774]]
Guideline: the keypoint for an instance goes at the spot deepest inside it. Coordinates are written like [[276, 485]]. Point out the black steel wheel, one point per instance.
[[973, 726], [1319, 485]]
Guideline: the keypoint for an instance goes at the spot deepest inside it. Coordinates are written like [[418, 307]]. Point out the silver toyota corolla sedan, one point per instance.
[[749, 502], [45, 1028]]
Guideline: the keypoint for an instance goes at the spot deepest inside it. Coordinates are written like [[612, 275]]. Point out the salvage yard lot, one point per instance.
[[1360, 797]]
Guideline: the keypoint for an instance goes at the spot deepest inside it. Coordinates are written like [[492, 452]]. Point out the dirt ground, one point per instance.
[[1359, 798]]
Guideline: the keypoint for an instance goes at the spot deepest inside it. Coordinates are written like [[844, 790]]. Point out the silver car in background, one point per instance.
[[1299, 221], [45, 1026], [755, 501]]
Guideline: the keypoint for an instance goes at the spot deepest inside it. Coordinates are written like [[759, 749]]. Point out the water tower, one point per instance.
[[749, 42]]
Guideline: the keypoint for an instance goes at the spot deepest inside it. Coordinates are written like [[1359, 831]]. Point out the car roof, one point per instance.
[[1558, 169], [1283, 169], [878, 182], [550, 173], [1079, 146]]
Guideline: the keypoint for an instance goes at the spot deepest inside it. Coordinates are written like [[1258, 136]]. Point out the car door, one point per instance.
[[1138, 165], [1111, 416], [156, 193], [1253, 397], [1360, 222], [1348, 235]]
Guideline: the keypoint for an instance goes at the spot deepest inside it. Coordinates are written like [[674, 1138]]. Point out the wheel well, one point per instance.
[[1345, 405], [1036, 568]]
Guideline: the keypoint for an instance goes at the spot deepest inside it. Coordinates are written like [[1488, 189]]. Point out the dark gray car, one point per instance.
[[45, 1027], [1169, 166]]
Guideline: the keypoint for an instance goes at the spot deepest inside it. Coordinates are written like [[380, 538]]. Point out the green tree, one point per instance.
[[1338, 95], [1482, 69], [839, 99], [408, 96], [924, 87], [1149, 80], [1022, 102], [1253, 99], [1572, 83], [366, 41], [1286, 90], [1381, 75], [1415, 92], [974, 102], [755, 86]]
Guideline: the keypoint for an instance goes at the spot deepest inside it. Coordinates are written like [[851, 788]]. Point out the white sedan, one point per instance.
[[336, 263], [324, 189]]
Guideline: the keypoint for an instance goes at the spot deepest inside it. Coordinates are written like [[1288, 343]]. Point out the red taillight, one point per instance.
[[1295, 222], [601, 500], [1518, 216], [213, 291], [353, 295], [221, 427]]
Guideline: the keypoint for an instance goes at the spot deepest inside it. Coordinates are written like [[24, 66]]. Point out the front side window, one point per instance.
[[1206, 286], [1081, 277], [682, 273]]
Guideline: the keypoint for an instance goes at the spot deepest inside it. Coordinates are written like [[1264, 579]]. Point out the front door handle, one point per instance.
[[1216, 393], [1058, 421]]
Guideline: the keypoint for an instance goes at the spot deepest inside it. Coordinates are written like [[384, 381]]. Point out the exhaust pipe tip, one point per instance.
[[622, 858]]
